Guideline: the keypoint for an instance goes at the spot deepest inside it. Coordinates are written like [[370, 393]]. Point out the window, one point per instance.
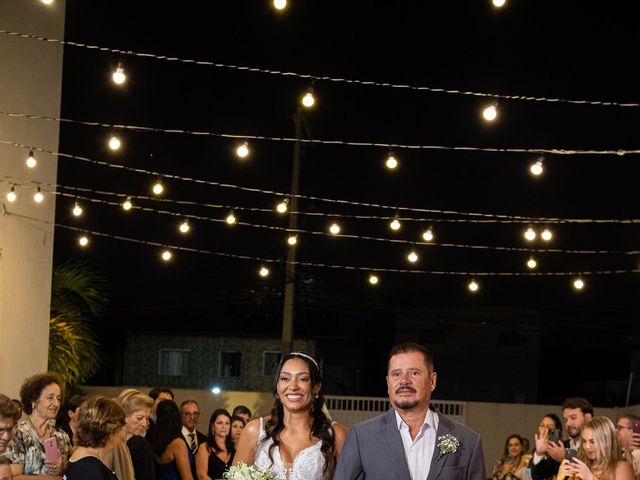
[[230, 364], [270, 362], [174, 362]]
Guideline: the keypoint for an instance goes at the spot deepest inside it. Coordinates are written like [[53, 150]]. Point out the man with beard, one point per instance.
[[411, 440], [548, 455]]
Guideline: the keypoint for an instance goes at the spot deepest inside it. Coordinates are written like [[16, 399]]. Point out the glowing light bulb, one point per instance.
[[38, 196], [427, 236], [282, 207], [334, 229], [114, 143], [119, 76], [77, 210], [243, 150], [490, 113], [158, 188], [126, 205], [47, 2], [280, 4], [499, 3], [373, 279], [578, 284], [292, 240], [530, 234], [31, 160], [231, 219], [308, 100], [473, 286], [546, 235], [391, 162], [536, 168], [412, 257], [264, 272], [531, 263], [394, 224], [167, 255], [184, 227], [216, 390], [83, 241], [11, 195]]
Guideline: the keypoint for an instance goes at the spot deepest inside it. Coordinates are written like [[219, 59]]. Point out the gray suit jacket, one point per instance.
[[373, 451]]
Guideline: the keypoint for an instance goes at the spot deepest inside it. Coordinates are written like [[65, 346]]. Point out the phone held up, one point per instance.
[[569, 453], [636, 426], [553, 435], [52, 453]]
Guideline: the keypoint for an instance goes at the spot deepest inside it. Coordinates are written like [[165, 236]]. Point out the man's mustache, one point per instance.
[[405, 389]]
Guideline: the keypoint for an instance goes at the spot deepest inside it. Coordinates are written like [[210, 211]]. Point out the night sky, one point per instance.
[[544, 49]]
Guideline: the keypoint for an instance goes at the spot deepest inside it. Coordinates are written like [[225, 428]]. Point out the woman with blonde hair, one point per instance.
[[137, 408], [599, 456]]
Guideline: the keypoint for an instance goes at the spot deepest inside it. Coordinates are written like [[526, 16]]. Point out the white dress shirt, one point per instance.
[[419, 451], [186, 433]]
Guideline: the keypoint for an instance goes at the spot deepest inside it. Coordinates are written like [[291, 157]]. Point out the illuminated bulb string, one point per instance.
[[324, 78]]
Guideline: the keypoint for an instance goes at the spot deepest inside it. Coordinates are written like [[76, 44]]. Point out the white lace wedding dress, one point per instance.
[[307, 465]]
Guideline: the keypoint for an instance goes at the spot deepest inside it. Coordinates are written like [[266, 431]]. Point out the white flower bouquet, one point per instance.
[[242, 471]]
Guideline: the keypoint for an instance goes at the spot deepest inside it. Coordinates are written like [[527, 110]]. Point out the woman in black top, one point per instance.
[[216, 455], [100, 422]]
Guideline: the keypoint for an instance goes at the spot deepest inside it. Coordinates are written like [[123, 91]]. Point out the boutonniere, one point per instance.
[[447, 444]]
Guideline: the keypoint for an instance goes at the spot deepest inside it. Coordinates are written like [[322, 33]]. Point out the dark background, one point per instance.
[[573, 343]]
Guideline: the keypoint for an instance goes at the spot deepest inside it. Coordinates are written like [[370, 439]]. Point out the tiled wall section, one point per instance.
[[142, 356]]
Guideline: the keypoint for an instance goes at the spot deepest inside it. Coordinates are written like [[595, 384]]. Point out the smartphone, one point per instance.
[[553, 435], [52, 453], [636, 426], [569, 453]]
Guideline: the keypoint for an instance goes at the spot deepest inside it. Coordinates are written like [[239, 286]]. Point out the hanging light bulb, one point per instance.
[[77, 210], [38, 196], [11, 195], [114, 142], [412, 257], [536, 168], [47, 2], [127, 204], [531, 263], [473, 286], [283, 206], [166, 255], [578, 284], [546, 235], [292, 240], [158, 188], [31, 160], [391, 163], [499, 3], [231, 219], [280, 4], [395, 225], [264, 271], [373, 279], [490, 113], [530, 234], [309, 100], [427, 235], [334, 229], [243, 150], [83, 241], [118, 76], [184, 227]]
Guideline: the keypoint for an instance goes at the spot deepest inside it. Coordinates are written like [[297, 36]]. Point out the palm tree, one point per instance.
[[78, 296]]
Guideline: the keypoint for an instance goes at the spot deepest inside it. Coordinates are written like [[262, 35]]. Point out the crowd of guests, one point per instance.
[[596, 448]]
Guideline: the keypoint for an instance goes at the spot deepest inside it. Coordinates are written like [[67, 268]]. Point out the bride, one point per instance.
[[297, 441]]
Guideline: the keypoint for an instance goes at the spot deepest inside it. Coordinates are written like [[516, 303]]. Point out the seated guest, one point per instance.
[[242, 412], [598, 455], [137, 408], [67, 416], [216, 455], [170, 449], [237, 425], [8, 412], [41, 395], [629, 441], [100, 422], [514, 460]]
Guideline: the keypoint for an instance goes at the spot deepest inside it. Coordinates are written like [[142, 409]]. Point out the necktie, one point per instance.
[[193, 446]]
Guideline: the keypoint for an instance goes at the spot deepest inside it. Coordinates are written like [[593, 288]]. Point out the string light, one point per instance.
[[531, 263], [184, 227], [395, 225], [77, 210], [373, 279], [114, 142], [158, 188], [38, 196], [578, 284], [282, 206], [530, 234], [292, 240], [263, 272], [490, 113], [11, 195], [119, 76], [243, 150], [412, 256], [166, 255], [31, 160], [473, 286], [546, 235], [231, 219], [391, 163], [127, 204], [427, 235], [83, 240], [499, 3], [309, 100], [334, 229], [280, 4], [536, 168]]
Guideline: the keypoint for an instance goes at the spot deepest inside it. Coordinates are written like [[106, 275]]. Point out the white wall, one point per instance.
[[30, 82]]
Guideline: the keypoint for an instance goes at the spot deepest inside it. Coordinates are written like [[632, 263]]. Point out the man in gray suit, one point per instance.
[[411, 441]]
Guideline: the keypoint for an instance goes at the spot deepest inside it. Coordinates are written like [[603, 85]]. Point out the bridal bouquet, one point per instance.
[[242, 471]]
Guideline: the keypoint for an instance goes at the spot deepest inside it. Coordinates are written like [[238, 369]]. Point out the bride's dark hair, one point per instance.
[[320, 422]]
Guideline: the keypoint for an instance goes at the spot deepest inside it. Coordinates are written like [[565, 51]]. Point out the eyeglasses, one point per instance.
[[620, 427], [191, 414]]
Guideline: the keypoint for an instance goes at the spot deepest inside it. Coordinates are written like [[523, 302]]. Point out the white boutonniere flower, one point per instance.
[[447, 444]]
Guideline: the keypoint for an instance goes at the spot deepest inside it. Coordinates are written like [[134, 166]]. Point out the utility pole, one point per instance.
[[288, 316]]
